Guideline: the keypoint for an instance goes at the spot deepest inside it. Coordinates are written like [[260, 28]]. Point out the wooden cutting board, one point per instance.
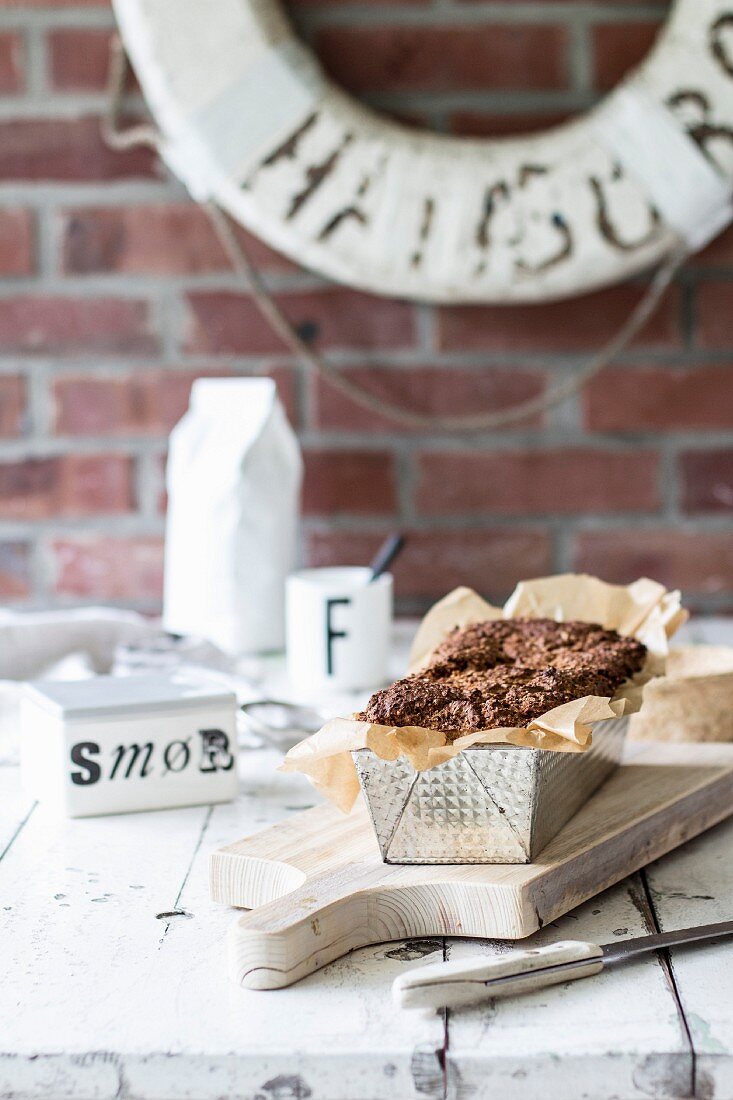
[[317, 888]]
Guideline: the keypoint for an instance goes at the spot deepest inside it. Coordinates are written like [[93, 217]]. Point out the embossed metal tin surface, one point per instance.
[[489, 804]]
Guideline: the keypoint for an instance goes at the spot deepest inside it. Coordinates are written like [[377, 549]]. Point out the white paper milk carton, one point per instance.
[[234, 475]]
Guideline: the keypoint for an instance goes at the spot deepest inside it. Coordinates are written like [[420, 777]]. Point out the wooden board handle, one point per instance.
[[466, 982], [284, 941]]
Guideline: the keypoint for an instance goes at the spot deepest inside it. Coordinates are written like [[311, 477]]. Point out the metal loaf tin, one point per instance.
[[489, 804]]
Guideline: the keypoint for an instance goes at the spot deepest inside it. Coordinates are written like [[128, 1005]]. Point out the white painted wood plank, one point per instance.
[[101, 997], [618, 1034], [80, 900], [15, 807], [695, 886], [336, 1033]]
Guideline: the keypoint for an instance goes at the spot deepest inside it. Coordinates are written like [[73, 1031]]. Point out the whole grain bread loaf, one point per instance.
[[506, 672]]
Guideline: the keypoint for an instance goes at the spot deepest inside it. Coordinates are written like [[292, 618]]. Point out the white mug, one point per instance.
[[338, 628]]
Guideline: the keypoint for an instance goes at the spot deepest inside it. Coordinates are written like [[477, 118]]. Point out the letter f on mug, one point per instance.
[[330, 632], [339, 625]]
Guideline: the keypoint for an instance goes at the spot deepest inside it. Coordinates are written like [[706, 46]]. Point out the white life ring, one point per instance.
[[249, 119]]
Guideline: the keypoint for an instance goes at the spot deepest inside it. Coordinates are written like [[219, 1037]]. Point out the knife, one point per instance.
[[468, 981]]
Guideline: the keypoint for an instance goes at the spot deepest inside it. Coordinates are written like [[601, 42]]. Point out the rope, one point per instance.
[[243, 266], [476, 422], [112, 133]]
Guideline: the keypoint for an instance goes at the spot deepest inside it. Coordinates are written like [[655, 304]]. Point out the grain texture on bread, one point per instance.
[[505, 673]]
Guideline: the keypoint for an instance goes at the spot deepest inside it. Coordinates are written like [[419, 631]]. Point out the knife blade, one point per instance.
[[469, 981]]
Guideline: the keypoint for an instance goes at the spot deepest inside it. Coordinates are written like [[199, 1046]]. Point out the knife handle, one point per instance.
[[468, 981]]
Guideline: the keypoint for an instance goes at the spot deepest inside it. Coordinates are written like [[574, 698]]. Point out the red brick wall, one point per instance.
[[114, 295]]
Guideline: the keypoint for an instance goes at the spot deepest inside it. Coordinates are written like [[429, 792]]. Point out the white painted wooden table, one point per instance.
[[113, 986]]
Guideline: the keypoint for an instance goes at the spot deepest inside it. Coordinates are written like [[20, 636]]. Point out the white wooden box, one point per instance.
[[120, 744]]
